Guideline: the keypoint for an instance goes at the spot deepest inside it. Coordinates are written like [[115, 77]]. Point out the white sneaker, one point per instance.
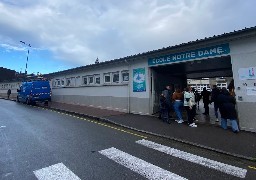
[[193, 125], [177, 120], [217, 120], [180, 121]]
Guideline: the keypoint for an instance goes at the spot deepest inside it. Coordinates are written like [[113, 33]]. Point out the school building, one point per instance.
[[133, 84]]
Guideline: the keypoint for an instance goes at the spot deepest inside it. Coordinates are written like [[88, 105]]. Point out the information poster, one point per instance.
[[247, 73], [251, 91], [139, 80]]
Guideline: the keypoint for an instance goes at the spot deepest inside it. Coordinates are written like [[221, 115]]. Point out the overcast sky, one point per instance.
[[69, 33]]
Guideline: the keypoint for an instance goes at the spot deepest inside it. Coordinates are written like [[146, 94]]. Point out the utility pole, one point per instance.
[[28, 46]]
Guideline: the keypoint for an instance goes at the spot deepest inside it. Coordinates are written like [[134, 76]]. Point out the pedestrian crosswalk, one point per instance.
[[139, 166], [151, 171], [56, 172], [225, 168], [146, 169]]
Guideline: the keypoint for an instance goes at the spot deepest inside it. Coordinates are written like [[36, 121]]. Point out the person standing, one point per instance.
[[9, 93], [167, 93], [189, 102], [214, 95], [206, 100], [164, 109], [227, 109], [197, 98], [177, 98]]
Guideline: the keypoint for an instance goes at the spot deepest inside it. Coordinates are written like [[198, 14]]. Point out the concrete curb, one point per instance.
[[150, 133], [155, 134]]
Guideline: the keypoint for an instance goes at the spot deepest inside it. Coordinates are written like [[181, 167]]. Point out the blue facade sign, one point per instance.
[[207, 52], [139, 80]]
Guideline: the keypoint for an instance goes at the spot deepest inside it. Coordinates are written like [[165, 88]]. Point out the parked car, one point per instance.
[[34, 91]]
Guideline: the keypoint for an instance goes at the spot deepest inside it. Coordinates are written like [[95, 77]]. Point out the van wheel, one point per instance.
[[27, 101]]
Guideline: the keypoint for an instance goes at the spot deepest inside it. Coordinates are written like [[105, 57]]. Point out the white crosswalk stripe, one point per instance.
[[225, 168], [140, 166], [56, 172]]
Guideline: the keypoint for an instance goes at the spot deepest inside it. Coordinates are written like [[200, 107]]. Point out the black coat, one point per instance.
[[226, 104], [214, 94], [206, 96]]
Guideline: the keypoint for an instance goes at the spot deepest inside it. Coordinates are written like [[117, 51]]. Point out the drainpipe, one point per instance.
[[128, 96]]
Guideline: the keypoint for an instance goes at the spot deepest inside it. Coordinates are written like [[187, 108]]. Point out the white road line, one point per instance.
[[225, 168], [139, 166], [56, 172]]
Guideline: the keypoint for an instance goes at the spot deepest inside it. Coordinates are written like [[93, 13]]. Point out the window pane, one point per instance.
[[115, 77], [106, 78], [90, 80], [97, 80], [68, 82], [85, 80], [125, 76]]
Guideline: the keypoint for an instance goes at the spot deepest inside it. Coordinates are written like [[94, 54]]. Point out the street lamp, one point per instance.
[[28, 45]]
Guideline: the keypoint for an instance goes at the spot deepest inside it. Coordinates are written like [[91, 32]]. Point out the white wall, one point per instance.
[[119, 96], [243, 55], [4, 86]]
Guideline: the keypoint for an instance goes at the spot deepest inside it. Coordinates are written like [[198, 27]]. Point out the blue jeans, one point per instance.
[[177, 105], [233, 124]]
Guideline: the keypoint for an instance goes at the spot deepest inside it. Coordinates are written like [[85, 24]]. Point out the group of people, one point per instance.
[[177, 100], [189, 99]]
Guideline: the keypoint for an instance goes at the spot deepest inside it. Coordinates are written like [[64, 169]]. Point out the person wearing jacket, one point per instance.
[[214, 95], [189, 103], [206, 100], [167, 92], [227, 109], [177, 98]]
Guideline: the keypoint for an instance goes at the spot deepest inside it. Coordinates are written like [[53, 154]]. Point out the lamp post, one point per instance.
[[28, 45]]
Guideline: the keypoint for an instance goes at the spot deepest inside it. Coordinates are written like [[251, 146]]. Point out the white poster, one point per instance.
[[251, 91], [247, 73]]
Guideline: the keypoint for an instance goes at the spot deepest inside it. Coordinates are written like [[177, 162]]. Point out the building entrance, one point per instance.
[[197, 73]]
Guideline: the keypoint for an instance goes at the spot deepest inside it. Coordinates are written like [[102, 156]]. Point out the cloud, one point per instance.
[[79, 31], [9, 47]]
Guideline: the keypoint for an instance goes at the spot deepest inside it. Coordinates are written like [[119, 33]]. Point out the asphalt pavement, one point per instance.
[[208, 134]]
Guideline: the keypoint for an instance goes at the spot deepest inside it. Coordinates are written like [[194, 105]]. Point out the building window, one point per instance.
[[125, 76], [90, 79], [115, 76], [97, 79], [62, 82], [85, 80], [68, 82], [107, 78]]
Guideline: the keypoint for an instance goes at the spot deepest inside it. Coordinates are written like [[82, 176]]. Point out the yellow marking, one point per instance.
[[252, 167], [102, 124]]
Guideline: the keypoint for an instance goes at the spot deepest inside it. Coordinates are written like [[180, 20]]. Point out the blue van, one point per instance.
[[34, 91]]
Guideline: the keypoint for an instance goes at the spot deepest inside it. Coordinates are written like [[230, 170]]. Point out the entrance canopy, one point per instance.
[[210, 68]]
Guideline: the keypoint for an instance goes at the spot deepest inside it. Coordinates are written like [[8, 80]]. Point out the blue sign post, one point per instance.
[[207, 52], [139, 80]]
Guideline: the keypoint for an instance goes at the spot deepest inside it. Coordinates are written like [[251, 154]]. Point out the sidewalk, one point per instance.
[[208, 136]]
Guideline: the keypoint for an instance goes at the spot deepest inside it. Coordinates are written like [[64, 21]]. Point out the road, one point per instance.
[[37, 143]]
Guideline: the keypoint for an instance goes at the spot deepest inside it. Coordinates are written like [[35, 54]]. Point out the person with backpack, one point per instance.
[[227, 109], [167, 93], [164, 108]]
